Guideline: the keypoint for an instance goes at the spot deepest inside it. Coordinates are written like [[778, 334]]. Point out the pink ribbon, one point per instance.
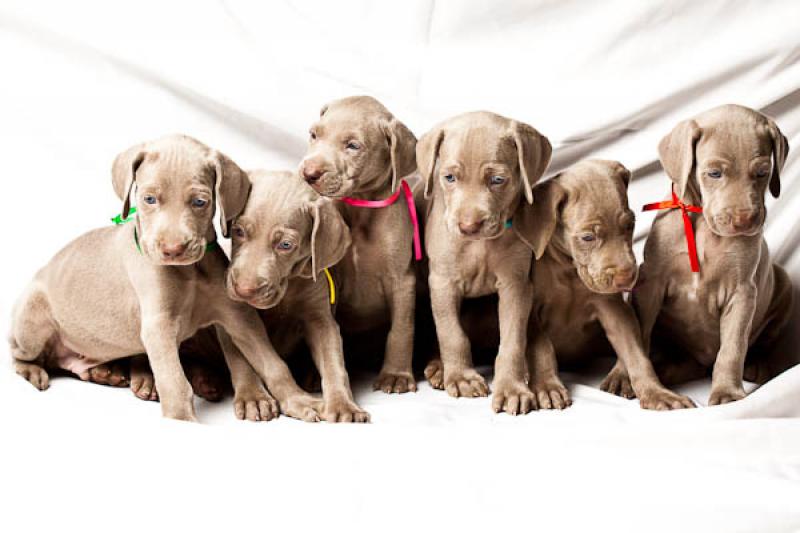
[[412, 211]]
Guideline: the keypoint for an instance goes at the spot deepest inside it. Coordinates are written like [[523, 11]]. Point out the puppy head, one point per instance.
[[357, 146], [176, 182], [481, 164], [726, 158], [286, 230], [584, 213]]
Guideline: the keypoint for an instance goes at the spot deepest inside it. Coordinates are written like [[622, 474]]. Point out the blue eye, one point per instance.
[[352, 145], [497, 180], [285, 245], [150, 199], [199, 202], [587, 238], [715, 173], [762, 172], [450, 178]]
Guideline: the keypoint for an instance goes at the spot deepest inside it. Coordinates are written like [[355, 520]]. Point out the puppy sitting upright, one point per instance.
[[146, 286], [359, 150], [479, 168], [581, 231], [722, 161]]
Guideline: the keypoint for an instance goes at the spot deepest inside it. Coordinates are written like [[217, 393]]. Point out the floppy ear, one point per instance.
[[534, 151], [780, 150], [535, 224], [330, 237], [323, 110], [427, 154], [676, 152], [402, 146], [623, 174], [231, 188], [123, 174]]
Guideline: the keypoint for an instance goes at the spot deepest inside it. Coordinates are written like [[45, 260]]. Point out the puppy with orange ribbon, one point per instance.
[[725, 304]]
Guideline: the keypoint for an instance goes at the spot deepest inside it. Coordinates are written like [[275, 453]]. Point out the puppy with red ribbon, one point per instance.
[[724, 306]]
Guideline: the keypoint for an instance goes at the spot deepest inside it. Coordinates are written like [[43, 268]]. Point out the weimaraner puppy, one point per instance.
[[145, 286], [282, 242], [358, 149], [581, 231], [722, 160], [478, 170]]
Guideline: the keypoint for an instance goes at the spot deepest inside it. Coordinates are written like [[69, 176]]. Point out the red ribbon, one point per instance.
[[675, 203], [412, 211]]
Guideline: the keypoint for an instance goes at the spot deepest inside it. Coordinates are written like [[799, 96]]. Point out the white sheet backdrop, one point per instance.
[[82, 80]]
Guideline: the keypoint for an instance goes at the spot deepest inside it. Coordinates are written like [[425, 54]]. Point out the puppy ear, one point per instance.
[[123, 174], [402, 146], [323, 110], [534, 151], [780, 150], [427, 155], [231, 188], [330, 237], [676, 152], [535, 224], [624, 175]]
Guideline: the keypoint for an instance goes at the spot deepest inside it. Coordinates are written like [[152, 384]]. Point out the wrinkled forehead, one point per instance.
[[273, 203], [472, 147], [169, 169], [734, 142], [598, 199], [346, 119]]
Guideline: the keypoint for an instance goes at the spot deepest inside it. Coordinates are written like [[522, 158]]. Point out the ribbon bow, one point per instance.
[[412, 211], [676, 203]]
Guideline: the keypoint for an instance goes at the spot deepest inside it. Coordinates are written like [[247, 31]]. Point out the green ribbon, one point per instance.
[[118, 220]]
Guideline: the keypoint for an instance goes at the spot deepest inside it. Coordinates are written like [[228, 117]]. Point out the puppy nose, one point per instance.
[[624, 277], [246, 291], [470, 227], [312, 172], [174, 250], [744, 219]]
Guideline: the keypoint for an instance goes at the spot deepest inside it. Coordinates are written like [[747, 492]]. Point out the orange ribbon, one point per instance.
[[675, 203]]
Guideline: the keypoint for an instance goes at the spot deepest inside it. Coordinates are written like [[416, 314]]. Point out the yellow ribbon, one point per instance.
[[331, 285]]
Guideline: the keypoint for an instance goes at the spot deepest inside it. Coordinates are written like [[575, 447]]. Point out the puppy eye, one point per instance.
[[763, 172], [714, 173], [150, 199], [352, 145], [285, 245], [313, 135], [587, 237], [199, 202], [450, 178], [238, 232], [497, 180]]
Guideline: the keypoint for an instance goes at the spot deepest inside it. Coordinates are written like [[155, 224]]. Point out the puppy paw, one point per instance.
[[662, 399], [466, 383], [344, 409], [35, 374], [143, 385], [721, 395], [513, 397], [113, 374], [255, 405], [618, 382], [551, 394], [398, 382], [205, 382], [434, 373], [303, 407]]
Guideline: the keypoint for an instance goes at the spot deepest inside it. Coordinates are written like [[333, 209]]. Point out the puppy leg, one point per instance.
[[325, 343], [460, 378], [511, 391], [623, 332], [549, 392], [735, 324], [397, 374], [31, 330], [143, 384]]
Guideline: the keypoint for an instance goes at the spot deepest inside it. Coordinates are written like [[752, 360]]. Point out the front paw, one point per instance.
[[434, 373], [551, 393], [662, 399], [466, 383], [35, 374], [722, 395], [618, 382], [143, 385], [113, 374], [343, 409], [398, 382], [513, 397], [255, 405], [303, 407]]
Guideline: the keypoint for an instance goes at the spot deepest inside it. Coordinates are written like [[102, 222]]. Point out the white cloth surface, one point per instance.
[[83, 80]]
